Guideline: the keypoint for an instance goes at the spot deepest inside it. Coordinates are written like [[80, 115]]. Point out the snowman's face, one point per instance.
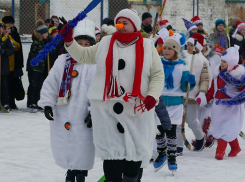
[[128, 27]]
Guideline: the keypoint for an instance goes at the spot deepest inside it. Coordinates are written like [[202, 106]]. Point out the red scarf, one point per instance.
[[139, 60]]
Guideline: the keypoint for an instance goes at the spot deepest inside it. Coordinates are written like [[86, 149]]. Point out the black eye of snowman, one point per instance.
[[173, 46]]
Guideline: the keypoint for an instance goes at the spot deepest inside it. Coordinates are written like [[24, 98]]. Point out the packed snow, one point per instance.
[[26, 156]]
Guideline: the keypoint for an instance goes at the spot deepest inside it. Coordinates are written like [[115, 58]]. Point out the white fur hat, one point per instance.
[[132, 16], [231, 55], [109, 30], [84, 27]]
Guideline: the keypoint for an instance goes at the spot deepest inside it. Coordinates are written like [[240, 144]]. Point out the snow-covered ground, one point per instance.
[[25, 156]]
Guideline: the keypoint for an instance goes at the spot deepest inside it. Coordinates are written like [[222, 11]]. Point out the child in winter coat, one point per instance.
[[6, 50], [64, 98], [227, 90], [198, 22], [36, 74], [204, 113], [191, 28], [238, 38], [123, 93], [220, 36], [177, 77], [202, 74]]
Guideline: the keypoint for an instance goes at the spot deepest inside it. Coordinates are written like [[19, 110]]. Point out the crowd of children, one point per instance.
[[113, 92]]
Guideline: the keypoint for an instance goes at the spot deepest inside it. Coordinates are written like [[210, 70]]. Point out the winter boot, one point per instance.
[[80, 175], [179, 151], [199, 144], [7, 107], [70, 176], [235, 148], [140, 175], [129, 179], [210, 141], [220, 151], [160, 161], [172, 165], [33, 108]]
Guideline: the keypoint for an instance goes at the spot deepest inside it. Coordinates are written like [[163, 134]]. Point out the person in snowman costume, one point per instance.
[[123, 94], [64, 98]]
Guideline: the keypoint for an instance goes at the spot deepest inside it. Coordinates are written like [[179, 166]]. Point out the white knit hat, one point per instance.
[[84, 27], [130, 15], [231, 55]]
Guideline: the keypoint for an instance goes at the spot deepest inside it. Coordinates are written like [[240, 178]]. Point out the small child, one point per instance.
[[177, 77], [228, 109], [36, 75], [199, 23], [191, 28], [64, 96], [202, 74], [162, 36], [97, 34]]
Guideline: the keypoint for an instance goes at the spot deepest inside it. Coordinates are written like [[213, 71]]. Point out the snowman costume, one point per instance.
[[120, 130], [72, 146]]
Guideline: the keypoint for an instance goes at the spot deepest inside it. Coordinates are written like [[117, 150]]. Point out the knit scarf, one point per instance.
[[112, 86], [66, 80], [221, 40], [168, 70]]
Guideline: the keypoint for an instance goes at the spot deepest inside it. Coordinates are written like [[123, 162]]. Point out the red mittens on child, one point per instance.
[[149, 102], [68, 37]]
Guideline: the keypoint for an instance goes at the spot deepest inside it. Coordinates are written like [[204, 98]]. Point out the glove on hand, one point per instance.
[[68, 37], [48, 113], [191, 79], [201, 99], [88, 121], [149, 102], [63, 20], [2, 51]]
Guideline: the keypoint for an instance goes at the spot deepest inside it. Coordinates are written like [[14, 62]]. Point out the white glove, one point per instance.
[[201, 99]]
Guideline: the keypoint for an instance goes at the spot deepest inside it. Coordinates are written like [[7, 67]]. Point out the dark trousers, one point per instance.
[[12, 83], [4, 91], [35, 85], [114, 169]]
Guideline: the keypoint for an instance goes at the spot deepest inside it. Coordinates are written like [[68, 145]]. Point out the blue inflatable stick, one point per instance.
[[51, 45]]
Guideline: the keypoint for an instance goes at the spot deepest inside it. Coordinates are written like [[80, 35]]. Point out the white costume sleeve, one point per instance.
[[51, 86], [156, 75], [81, 54]]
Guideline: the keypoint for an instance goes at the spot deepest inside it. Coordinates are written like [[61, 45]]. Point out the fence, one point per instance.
[[27, 12]]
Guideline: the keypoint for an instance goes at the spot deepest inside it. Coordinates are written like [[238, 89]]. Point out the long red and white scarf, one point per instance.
[[112, 86]]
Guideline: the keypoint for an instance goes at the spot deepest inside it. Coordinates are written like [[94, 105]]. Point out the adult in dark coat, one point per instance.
[[5, 51], [18, 60]]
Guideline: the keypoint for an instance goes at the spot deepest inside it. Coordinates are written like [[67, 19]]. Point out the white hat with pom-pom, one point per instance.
[[231, 55]]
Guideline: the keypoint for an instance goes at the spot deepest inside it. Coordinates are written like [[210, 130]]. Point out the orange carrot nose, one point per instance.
[[160, 49], [119, 26]]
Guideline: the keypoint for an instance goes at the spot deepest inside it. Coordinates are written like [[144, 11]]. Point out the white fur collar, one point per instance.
[[236, 73], [239, 37]]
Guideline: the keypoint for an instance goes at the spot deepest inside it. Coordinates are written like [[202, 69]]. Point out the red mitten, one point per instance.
[[68, 37], [149, 102], [201, 99], [198, 101]]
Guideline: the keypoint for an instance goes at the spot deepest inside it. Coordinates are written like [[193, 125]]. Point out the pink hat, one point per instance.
[[239, 26]]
